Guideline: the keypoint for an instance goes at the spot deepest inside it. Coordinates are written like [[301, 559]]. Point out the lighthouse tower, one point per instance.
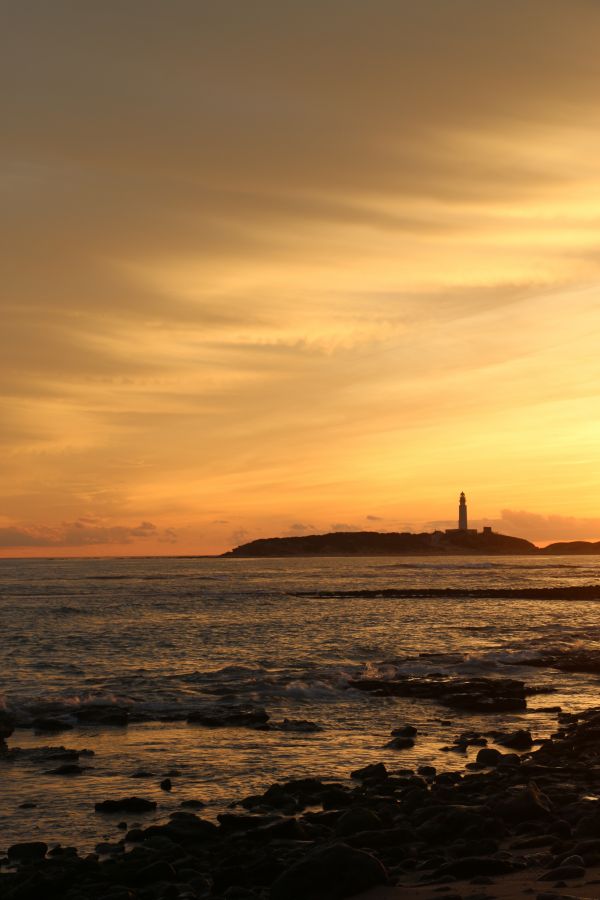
[[462, 513], [463, 522]]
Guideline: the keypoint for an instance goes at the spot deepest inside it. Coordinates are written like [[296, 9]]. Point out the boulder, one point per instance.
[[357, 819], [28, 851], [334, 873]]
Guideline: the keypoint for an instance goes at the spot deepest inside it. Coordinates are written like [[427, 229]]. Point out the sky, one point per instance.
[[279, 267]]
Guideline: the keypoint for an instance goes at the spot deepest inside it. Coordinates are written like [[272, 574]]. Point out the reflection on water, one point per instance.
[[164, 637]]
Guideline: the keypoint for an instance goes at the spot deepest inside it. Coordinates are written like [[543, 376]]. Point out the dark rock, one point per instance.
[[470, 866], [232, 716], [376, 771], [51, 725], [562, 873], [103, 715], [400, 743], [404, 731], [125, 804], [166, 784], [334, 873], [28, 851], [301, 725], [525, 804], [488, 756], [192, 804], [156, 872], [517, 740], [357, 819], [68, 769], [142, 773]]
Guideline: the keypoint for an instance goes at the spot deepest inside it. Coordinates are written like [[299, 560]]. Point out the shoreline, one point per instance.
[[517, 822]]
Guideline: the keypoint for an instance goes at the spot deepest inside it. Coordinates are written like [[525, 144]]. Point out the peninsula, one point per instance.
[[460, 541]]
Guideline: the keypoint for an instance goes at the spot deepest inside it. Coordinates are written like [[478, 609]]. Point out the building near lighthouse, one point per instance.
[[463, 521]]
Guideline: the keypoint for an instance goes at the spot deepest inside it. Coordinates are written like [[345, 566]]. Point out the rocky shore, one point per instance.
[[526, 815]]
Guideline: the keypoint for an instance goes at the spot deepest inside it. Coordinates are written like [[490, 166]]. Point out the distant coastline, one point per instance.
[[376, 543]]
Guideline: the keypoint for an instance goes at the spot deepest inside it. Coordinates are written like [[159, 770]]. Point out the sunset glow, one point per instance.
[[246, 296]]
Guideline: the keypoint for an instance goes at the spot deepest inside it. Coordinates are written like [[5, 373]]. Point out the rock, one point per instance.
[[517, 740], [427, 771], [488, 756], [357, 819], [334, 873], [404, 731], [28, 851], [470, 866], [301, 725], [563, 873], [103, 715], [158, 871], [142, 773], [192, 804], [234, 716], [400, 743], [376, 771], [166, 784], [126, 804], [525, 804], [52, 725], [68, 769]]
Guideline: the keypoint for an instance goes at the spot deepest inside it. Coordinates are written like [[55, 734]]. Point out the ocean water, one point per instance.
[[163, 637]]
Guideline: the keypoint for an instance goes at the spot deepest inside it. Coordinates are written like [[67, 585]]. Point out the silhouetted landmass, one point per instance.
[[564, 548], [374, 543]]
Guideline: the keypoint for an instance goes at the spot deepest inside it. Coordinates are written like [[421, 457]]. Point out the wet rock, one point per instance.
[[516, 740], [68, 769], [488, 756], [485, 695], [231, 716], [142, 773], [357, 819], [103, 715], [427, 771], [400, 743], [525, 804], [192, 804], [335, 872], [376, 771], [468, 867], [51, 725], [166, 784], [563, 873], [27, 851], [126, 804], [300, 725], [404, 731]]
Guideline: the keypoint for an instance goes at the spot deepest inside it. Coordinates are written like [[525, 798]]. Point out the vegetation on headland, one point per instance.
[[375, 543]]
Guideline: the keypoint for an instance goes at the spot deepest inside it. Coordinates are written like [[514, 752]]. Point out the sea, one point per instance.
[[163, 637]]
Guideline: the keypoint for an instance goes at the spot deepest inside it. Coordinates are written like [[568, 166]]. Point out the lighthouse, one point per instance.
[[462, 513], [463, 522]]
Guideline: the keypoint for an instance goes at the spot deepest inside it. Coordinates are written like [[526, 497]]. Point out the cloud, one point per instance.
[[374, 518], [547, 528], [534, 527], [344, 526], [298, 528], [83, 532]]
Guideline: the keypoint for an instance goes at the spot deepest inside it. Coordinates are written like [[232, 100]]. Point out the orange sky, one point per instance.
[[278, 267]]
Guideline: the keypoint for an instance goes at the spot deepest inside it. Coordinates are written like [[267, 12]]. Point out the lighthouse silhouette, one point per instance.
[[463, 522], [462, 513]]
